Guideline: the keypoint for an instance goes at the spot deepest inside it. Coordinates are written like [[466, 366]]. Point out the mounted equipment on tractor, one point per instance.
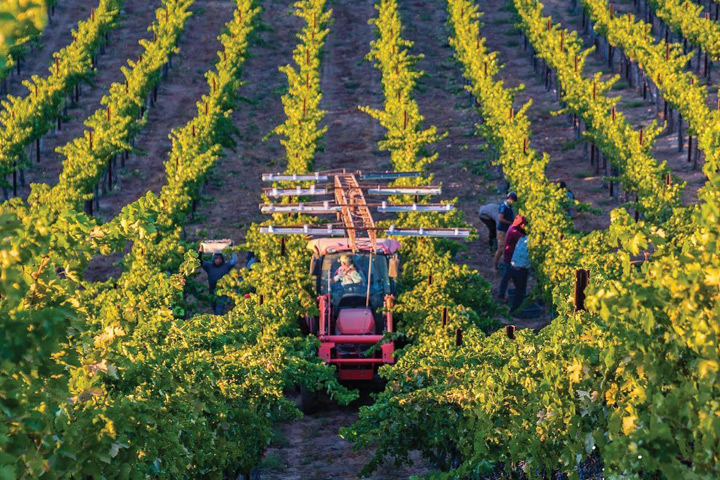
[[355, 275]]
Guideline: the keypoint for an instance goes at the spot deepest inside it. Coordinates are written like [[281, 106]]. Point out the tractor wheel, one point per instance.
[[315, 325], [309, 325], [309, 401]]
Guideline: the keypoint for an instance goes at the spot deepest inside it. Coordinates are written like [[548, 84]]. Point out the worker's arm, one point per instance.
[[233, 259], [502, 219], [204, 264]]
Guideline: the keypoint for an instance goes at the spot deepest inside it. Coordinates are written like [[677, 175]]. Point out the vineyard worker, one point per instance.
[[570, 198], [250, 260], [506, 215], [520, 271], [514, 233], [347, 274], [489, 216], [216, 269]]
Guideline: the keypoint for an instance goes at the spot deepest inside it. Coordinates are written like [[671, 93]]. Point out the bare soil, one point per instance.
[[312, 449]]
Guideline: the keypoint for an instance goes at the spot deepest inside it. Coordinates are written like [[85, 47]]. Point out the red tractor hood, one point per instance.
[[355, 321]]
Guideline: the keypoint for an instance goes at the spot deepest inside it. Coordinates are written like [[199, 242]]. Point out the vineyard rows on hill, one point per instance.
[[664, 64], [128, 378], [625, 148], [112, 128], [26, 119], [542, 403]]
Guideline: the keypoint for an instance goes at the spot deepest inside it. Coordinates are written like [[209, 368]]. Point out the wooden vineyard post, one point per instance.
[[458, 337], [582, 278], [110, 173], [510, 331], [15, 182], [444, 316], [283, 247], [680, 133]]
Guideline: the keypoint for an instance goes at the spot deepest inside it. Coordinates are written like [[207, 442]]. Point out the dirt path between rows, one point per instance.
[[463, 168], [310, 448], [230, 200]]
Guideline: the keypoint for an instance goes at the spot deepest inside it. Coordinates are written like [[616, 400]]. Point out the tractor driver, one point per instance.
[[347, 274]]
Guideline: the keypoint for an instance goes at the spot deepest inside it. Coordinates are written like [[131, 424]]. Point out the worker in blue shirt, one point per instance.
[[217, 268], [506, 215], [519, 272]]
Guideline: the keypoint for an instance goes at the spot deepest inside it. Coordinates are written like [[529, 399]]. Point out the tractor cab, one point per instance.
[[356, 299]]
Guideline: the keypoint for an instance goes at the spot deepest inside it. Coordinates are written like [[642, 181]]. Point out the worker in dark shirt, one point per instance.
[[506, 215], [216, 269]]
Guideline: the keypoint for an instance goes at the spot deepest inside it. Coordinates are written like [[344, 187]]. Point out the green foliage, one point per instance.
[[301, 129], [21, 21]]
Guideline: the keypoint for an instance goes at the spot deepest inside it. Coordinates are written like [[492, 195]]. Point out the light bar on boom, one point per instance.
[[404, 190], [296, 192], [415, 207], [428, 232], [316, 208], [388, 175], [294, 177], [333, 231], [329, 230]]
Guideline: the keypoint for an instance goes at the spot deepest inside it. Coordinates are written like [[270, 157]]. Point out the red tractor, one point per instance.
[[355, 275], [354, 316]]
